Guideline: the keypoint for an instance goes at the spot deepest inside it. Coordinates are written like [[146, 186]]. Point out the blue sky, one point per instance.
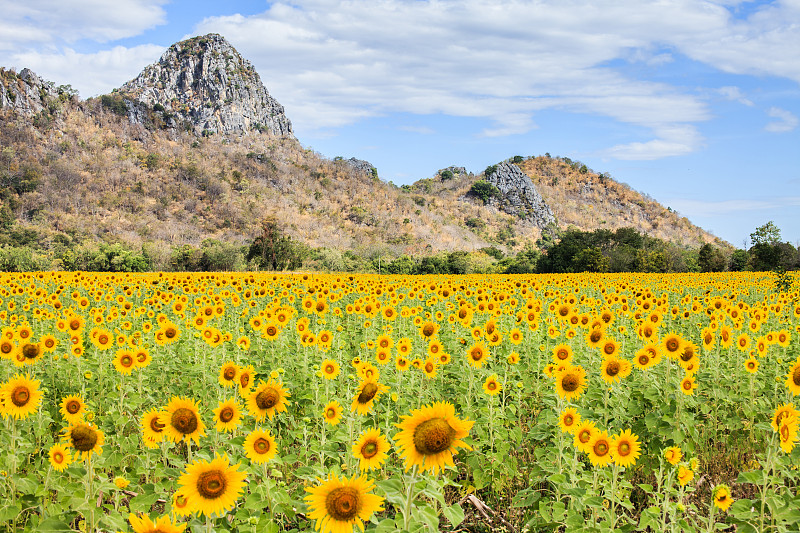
[[695, 103]]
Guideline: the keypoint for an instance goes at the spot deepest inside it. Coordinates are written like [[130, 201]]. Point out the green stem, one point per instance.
[[409, 499]]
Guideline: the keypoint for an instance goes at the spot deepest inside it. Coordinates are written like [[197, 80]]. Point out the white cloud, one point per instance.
[[91, 74], [735, 94], [48, 22], [787, 121], [671, 141]]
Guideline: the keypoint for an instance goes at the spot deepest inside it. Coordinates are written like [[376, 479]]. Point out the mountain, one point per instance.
[[195, 150]]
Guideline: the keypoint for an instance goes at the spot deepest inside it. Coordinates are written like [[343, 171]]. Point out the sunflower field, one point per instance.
[[261, 402]]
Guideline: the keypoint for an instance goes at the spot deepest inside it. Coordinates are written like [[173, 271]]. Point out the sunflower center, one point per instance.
[[73, 406], [612, 369], [211, 485], [624, 449], [268, 398], [20, 396], [368, 393], [330, 414], [609, 348], [30, 351], [570, 382], [687, 385], [261, 445], [244, 380], [342, 503], [428, 330], [796, 376], [83, 438], [644, 359], [687, 355], [184, 420], [476, 354], [229, 373], [601, 448], [369, 450], [433, 436], [584, 436], [672, 345], [329, 369], [562, 354], [6, 347], [491, 385], [226, 414], [595, 335], [784, 431], [568, 420], [155, 425], [126, 361], [58, 457]]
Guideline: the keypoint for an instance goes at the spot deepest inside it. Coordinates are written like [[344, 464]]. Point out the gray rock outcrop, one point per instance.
[[26, 93], [519, 195], [205, 83], [359, 165]]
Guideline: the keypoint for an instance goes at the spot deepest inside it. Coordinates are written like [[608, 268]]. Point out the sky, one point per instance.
[[694, 102]]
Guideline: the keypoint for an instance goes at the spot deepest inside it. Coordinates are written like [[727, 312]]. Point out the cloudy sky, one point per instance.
[[693, 102]]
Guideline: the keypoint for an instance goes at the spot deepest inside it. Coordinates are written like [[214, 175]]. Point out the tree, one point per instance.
[[484, 190], [769, 233], [738, 262], [272, 250], [710, 259]]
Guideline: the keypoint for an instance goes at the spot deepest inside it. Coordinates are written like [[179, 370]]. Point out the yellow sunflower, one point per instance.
[[569, 420], [60, 457], [787, 430], [368, 391], [332, 413], [180, 504], [329, 369], [430, 435], [491, 386], [673, 455], [124, 361], [600, 449], [181, 420], [212, 487], [688, 385], [84, 439], [793, 378], [152, 428], [614, 368], [20, 397], [227, 374], [371, 449], [672, 344], [245, 378], [685, 475], [570, 382], [339, 504], [267, 399], [722, 497], [584, 434], [227, 415], [625, 448], [164, 524], [477, 354], [259, 446], [562, 354], [783, 411], [72, 408]]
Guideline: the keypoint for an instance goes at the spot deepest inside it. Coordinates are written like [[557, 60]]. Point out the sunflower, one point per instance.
[[72, 408], [368, 391], [609, 348], [625, 448], [332, 413], [672, 345], [513, 358], [370, 449], [339, 504], [787, 430], [212, 487], [751, 365], [259, 446], [180, 504], [227, 415], [430, 436], [228, 373], [688, 385], [245, 378], [793, 378], [688, 354], [477, 354], [329, 369], [584, 434], [143, 524], [384, 342], [29, 352], [181, 420], [60, 457], [84, 439], [267, 399], [124, 362], [595, 337], [152, 428], [786, 410], [722, 497], [569, 420], [673, 455], [562, 354], [491, 386], [685, 475], [615, 368], [600, 449], [570, 382], [430, 367], [743, 342], [142, 356], [20, 397]]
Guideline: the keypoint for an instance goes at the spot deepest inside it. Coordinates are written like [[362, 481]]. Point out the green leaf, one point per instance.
[[58, 524], [10, 512], [454, 514], [753, 476], [393, 490]]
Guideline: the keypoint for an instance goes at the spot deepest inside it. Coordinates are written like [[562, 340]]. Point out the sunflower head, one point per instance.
[[227, 415], [259, 446], [84, 439], [267, 399], [332, 413], [59, 456], [722, 497], [371, 449], [339, 504], [181, 420], [212, 487], [20, 397], [228, 374]]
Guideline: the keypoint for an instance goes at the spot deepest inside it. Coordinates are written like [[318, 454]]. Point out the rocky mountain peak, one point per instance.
[[204, 83], [519, 195]]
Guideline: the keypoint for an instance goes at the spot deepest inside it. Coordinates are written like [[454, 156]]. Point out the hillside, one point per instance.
[[195, 148]]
